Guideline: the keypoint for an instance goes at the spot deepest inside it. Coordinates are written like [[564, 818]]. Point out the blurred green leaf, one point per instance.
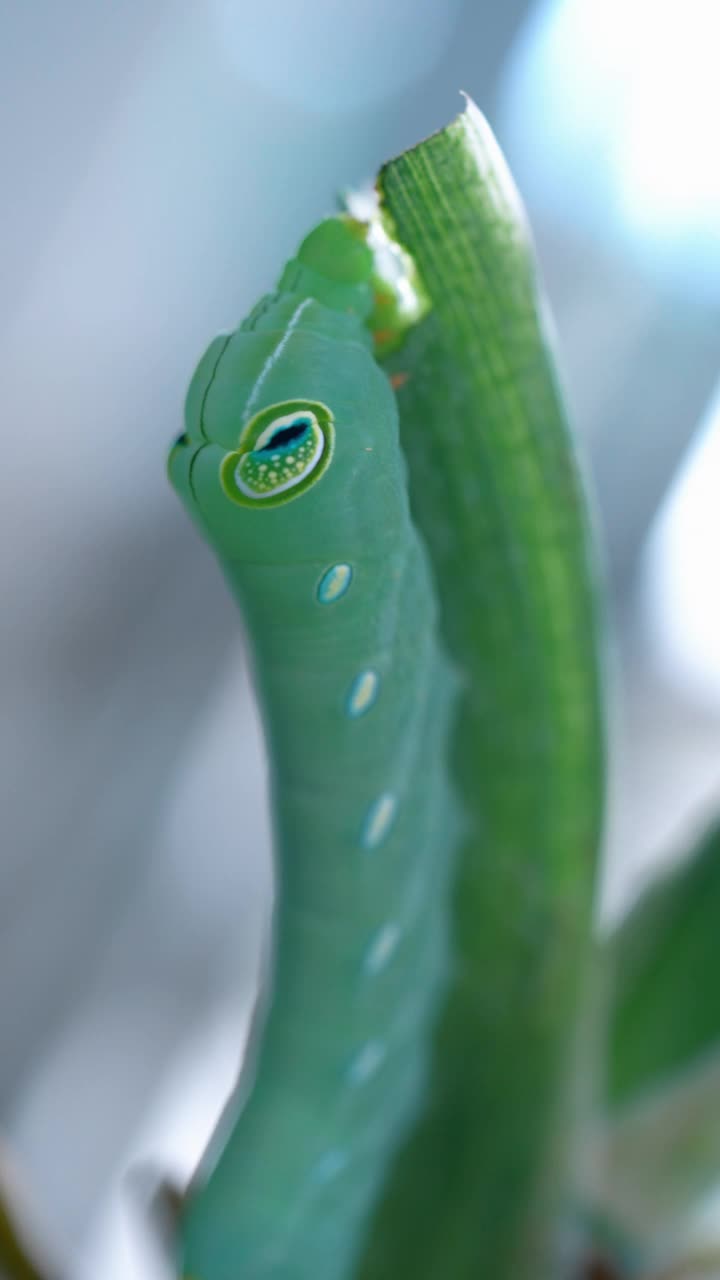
[[665, 960], [495, 492], [654, 1151]]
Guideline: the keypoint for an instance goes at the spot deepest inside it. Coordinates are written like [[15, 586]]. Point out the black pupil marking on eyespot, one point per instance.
[[285, 435]]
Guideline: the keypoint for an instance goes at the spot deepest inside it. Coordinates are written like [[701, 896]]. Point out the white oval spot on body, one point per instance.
[[329, 1166], [378, 820], [363, 692], [381, 949], [366, 1062], [334, 583]]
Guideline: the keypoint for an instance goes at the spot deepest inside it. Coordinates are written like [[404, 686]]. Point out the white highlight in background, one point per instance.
[[125, 1244], [610, 113], [681, 587]]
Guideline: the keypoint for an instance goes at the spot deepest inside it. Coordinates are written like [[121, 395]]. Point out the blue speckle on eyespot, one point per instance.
[[334, 583], [362, 694], [378, 820]]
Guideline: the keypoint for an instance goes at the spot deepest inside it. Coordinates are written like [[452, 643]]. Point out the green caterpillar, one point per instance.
[[292, 468]]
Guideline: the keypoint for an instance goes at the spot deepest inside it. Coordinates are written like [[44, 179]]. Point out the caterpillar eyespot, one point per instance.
[[282, 451]]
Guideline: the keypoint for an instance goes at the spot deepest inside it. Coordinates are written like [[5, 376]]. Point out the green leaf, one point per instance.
[[655, 1151], [665, 959], [495, 492]]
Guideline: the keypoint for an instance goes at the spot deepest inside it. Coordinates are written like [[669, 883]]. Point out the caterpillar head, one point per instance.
[[291, 445]]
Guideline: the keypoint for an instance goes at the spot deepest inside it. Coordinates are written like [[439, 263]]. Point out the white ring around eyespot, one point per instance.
[[289, 484]]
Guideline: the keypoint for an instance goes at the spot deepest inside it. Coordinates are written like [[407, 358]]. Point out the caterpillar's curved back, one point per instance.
[[291, 465]]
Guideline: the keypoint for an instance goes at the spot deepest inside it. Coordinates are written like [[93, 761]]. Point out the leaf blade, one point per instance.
[[496, 495], [665, 1014]]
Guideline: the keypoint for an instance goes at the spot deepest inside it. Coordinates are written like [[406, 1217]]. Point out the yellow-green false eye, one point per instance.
[[281, 452]]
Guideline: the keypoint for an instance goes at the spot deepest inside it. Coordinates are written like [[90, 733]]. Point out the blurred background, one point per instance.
[[159, 163]]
